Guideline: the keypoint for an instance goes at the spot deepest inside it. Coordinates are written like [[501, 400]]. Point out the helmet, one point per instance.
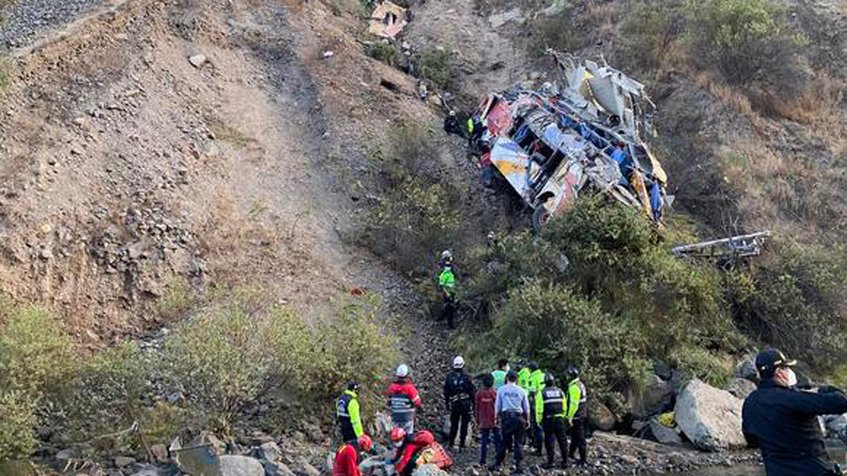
[[446, 254], [458, 362], [573, 372], [533, 365], [452, 113], [402, 371], [365, 443], [549, 379], [397, 434], [353, 386]]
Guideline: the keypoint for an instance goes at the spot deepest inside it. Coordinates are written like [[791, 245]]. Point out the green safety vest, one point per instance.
[[536, 381], [524, 378], [499, 378], [447, 281]]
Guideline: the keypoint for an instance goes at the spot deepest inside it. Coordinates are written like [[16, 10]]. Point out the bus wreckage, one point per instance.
[[556, 143]]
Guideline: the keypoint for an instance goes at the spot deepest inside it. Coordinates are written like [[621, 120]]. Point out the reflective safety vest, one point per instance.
[[524, 378], [536, 380], [470, 125], [447, 281], [499, 378], [576, 400], [550, 403], [349, 418], [400, 403]]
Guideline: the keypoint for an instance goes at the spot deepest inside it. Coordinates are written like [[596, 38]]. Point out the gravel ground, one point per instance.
[[26, 19]]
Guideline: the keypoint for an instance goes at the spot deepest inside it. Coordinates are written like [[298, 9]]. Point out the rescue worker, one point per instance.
[[347, 412], [451, 124], [577, 414], [782, 421], [403, 400], [550, 411], [347, 457], [536, 384], [408, 448], [459, 393], [499, 375], [523, 375], [511, 407], [446, 260], [447, 285]]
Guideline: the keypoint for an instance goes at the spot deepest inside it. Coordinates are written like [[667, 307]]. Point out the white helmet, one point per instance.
[[402, 371], [446, 254], [458, 362]]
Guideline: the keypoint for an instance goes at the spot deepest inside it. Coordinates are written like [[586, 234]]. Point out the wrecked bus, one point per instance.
[[553, 144]]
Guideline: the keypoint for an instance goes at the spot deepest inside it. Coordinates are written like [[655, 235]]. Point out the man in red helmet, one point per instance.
[[347, 457], [408, 449]]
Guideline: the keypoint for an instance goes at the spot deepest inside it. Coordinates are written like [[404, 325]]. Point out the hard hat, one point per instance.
[[398, 434], [458, 362], [365, 443], [453, 113], [549, 379], [352, 385], [402, 370], [573, 372], [446, 254]]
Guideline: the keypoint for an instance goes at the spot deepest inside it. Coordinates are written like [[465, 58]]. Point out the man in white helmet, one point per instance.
[[403, 400], [459, 393]]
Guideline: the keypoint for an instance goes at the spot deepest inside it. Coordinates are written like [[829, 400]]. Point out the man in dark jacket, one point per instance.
[[782, 420], [459, 393]]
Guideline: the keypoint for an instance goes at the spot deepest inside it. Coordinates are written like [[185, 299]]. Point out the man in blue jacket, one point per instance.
[[782, 420]]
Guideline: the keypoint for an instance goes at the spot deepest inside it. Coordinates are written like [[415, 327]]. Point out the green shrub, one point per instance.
[[437, 67], [384, 52], [746, 40], [177, 300], [650, 31], [17, 425]]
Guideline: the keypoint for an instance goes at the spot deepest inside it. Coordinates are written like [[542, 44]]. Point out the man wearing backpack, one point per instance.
[[459, 393]]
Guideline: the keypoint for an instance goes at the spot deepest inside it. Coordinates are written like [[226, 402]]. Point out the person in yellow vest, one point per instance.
[[536, 384], [550, 411], [447, 285], [523, 375], [349, 417], [577, 414]]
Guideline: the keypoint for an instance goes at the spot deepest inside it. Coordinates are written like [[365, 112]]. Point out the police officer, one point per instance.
[[550, 411], [349, 418], [782, 420], [577, 414], [459, 393], [511, 407]]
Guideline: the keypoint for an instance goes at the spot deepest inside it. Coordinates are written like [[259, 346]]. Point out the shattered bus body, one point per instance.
[[553, 144]]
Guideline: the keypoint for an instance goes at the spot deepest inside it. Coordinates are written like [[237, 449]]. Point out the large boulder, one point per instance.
[[654, 396], [233, 465], [746, 369], [600, 417], [664, 434], [740, 387], [709, 417]]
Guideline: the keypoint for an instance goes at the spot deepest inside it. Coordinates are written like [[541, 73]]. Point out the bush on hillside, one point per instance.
[[17, 425], [605, 263], [649, 33], [797, 301], [745, 40], [437, 66], [383, 52]]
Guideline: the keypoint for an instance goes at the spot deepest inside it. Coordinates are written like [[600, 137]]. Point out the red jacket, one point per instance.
[[403, 393], [484, 408], [346, 462], [408, 451]]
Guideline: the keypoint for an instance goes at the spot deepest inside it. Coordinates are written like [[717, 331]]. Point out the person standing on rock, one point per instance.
[[347, 457], [550, 411], [349, 417], [403, 400], [486, 418], [512, 409], [459, 393], [782, 420], [577, 414]]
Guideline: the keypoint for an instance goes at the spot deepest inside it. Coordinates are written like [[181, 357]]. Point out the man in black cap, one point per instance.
[[782, 420]]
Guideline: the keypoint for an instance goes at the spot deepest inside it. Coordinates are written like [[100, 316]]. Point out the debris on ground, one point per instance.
[[388, 20], [727, 249], [553, 144]]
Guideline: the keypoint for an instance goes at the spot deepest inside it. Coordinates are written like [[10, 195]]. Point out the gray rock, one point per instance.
[[428, 470], [836, 426], [310, 470], [277, 469], [600, 416], [159, 452], [746, 369], [65, 455], [654, 396], [709, 417], [499, 19], [123, 461], [663, 434], [740, 387], [197, 60], [269, 451], [232, 465]]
